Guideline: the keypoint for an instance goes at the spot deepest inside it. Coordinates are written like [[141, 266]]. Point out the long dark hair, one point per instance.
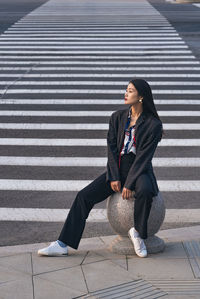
[[144, 90]]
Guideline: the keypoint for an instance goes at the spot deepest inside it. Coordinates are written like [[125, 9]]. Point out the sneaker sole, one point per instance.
[[41, 254], [134, 246]]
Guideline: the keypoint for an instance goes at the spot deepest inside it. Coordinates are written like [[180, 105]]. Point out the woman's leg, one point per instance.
[[95, 192], [142, 204]]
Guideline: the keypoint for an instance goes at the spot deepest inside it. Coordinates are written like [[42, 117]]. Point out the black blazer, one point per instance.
[[148, 132]]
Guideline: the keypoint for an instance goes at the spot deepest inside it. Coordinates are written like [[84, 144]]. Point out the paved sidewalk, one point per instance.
[[94, 272]]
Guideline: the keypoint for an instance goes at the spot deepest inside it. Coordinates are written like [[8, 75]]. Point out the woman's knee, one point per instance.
[[82, 196], [143, 186]]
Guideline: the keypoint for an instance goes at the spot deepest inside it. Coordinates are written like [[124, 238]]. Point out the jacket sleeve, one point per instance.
[[112, 152], [143, 157]]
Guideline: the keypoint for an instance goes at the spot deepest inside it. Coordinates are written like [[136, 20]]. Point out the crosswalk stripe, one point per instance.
[[74, 24], [104, 68], [95, 102], [95, 47], [80, 39], [27, 23], [56, 33], [91, 161], [117, 83], [66, 51], [76, 185], [99, 57], [87, 142], [87, 126], [30, 44], [95, 215], [103, 75], [88, 113], [24, 42], [58, 29], [99, 91]]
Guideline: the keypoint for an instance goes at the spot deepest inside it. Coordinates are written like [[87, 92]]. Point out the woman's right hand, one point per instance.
[[116, 186]]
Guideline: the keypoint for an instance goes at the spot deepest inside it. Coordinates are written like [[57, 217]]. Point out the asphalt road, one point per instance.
[[31, 75]]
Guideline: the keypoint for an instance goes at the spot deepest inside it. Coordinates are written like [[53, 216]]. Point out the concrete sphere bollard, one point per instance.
[[120, 214]]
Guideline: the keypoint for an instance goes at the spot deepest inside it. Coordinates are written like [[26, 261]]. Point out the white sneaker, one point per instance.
[[139, 245], [54, 249]]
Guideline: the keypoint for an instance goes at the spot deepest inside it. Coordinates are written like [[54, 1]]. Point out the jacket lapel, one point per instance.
[[122, 125]]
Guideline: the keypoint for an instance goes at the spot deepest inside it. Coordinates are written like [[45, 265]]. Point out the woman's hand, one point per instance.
[[127, 193], [116, 186]]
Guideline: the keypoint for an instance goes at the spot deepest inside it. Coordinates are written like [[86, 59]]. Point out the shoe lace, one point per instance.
[[52, 243]]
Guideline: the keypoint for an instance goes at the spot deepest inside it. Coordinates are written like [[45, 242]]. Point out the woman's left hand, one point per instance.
[[127, 193]]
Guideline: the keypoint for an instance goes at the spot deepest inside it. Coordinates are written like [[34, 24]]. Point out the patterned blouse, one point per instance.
[[129, 139]]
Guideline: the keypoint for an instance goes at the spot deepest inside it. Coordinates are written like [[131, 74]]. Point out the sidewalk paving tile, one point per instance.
[[15, 284], [164, 268], [172, 250], [18, 289], [19, 262], [42, 264], [180, 234], [90, 244], [104, 274], [60, 284], [119, 259], [92, 257], [12, 250]]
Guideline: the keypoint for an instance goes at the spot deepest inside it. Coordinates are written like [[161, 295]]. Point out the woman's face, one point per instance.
[[131, 95]]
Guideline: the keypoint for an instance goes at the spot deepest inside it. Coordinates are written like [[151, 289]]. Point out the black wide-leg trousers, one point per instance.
[[97, 191]]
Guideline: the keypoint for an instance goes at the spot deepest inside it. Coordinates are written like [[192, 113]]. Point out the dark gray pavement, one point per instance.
[[32, 65]]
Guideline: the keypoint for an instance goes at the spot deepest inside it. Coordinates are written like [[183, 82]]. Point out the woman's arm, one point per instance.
[[112, 152], [143, 157]]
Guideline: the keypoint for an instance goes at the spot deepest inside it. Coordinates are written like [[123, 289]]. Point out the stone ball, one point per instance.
[[120, 213]]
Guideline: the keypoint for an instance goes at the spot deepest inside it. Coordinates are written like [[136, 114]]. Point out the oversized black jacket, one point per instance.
[[148, 130]]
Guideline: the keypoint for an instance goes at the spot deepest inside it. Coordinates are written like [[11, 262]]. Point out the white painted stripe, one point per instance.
[[80, 39], [104, 68], [96, 91], [66, 29], [88, 28], [91, 161], [95, 215], [23, 22], [102, 63], [87, 142], [113, 83], [66, 47], [29, 24], [76, 185], [196, 4], [88, 113], [95, 52], [97, 58], [93, 102], [30, 19], [63, 33], [89, 42], [102, 75], [84, 126]]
